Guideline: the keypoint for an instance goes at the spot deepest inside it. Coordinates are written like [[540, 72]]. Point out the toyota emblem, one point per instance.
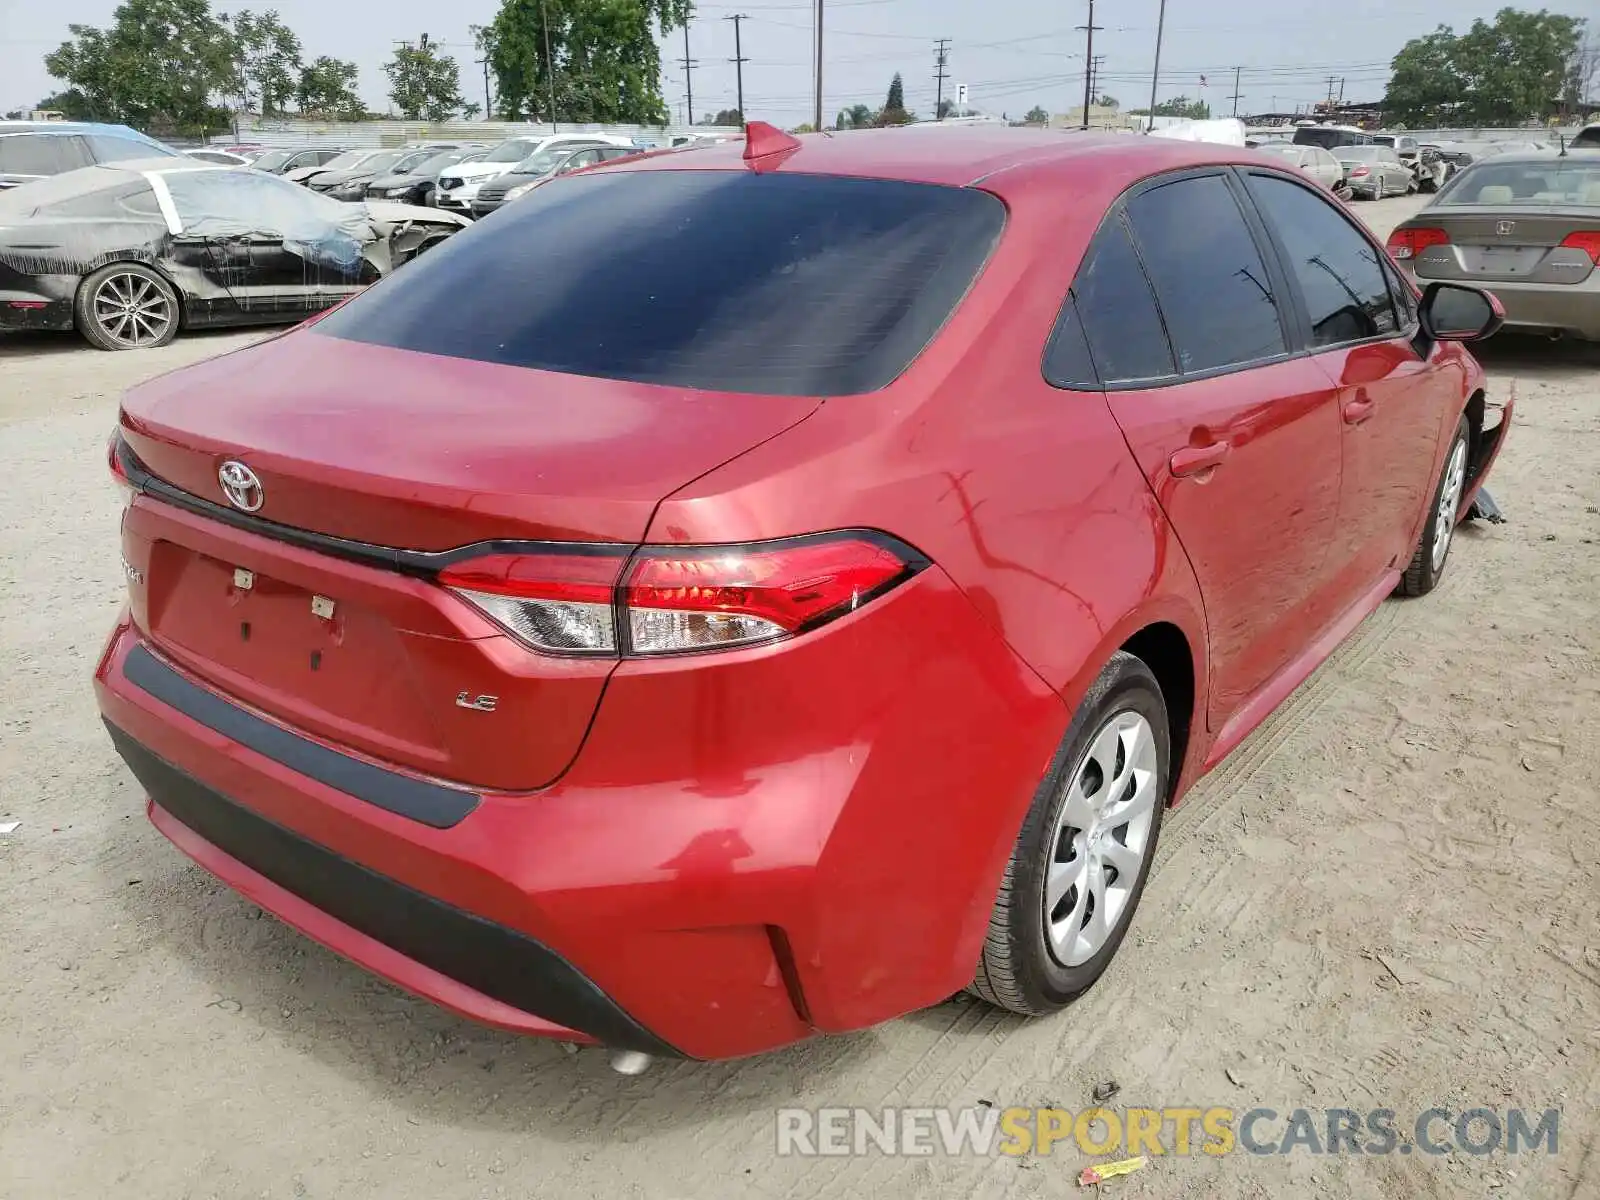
[[240, 486]]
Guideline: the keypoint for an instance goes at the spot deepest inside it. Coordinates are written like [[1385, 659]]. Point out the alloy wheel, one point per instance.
[[1444, 525], [132, 310], [1101, 838]]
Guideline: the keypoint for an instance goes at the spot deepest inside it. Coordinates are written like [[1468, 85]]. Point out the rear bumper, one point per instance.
[[750, 848], [480, 969]]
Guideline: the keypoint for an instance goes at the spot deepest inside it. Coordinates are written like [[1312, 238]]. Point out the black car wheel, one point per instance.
[[1084, 852], [126, 306]]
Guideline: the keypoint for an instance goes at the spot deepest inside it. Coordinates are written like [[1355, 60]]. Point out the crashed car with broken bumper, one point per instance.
[[130, 253]]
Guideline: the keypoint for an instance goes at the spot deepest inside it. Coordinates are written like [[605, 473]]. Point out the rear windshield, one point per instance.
[[726, 280], [1554, 181]]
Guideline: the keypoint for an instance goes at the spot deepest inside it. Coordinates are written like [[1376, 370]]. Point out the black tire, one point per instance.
[[1427, 568], [1430, 185], [1018, 970], [127, 306]]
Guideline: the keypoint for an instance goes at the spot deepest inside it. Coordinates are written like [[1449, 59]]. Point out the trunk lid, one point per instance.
[[1499, 245], [393, 448]]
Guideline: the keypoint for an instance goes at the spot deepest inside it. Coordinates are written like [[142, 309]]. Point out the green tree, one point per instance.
[[266, 60], [600, 55], [327, 89], [72, 104], [726, 116], [424, 84], [1108, 102], [894, 108], [857, 116], [1516, 69], [1179, 106], [1036, 116], [158, 66], [946, 107]]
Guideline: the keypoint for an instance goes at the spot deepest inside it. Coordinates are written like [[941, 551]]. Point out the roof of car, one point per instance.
[[1524, 157], [64, 128], [953, 155]]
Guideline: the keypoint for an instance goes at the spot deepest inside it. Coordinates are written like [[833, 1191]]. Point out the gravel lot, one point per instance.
[[1387, 898]]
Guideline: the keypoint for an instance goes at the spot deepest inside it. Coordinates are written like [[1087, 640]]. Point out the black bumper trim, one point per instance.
[[429, 803], [498, 962]]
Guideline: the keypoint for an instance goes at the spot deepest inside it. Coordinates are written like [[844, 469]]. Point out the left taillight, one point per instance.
[[679, 599], [1409, 243]]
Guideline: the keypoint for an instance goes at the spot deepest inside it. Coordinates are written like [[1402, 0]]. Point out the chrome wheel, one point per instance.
[[1101, 838], [1444, 525], [132, 310]]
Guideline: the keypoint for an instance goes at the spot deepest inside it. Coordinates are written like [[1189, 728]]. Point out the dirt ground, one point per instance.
[[1387, 898]]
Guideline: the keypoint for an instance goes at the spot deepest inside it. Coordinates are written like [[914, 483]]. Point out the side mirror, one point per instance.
[[1455, 312]]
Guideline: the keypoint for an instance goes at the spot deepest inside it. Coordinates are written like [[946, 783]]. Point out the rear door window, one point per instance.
[[1341, 279], [729, 281], [1209, 278], [1119, 320]]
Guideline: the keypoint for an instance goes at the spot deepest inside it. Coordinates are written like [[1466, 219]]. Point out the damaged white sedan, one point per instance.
[[130, 253]]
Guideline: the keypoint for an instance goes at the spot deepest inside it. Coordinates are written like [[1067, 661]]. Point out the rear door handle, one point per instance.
[[1357, 410], [1192, 460]]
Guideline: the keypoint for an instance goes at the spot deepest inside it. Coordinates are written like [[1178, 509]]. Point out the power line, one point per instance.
[[738, 60], [941, 52]]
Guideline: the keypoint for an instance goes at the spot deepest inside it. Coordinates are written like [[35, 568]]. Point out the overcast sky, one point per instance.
[[1012, 54]]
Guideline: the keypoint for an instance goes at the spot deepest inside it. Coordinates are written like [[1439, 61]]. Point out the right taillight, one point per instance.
[[1408, 243], [556, 600], [119, 473], [1587, 240], [678, 599]]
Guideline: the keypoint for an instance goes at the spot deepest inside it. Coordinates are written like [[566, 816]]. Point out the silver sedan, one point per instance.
[[1524, 226], [1374, 172]]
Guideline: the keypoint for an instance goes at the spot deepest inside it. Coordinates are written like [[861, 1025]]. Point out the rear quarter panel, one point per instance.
[[1025, 495]]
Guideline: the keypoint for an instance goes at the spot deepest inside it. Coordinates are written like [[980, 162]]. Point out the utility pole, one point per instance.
[[816, 116], [549, 62], [1088, 61], [689, 65], [488, 112], [1095, 64], [1341, 91], [1155, 73], [739, 61], [1332, 79], [1235, 97], [941, 52]]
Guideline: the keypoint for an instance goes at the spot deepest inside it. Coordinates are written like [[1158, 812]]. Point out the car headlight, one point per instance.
[[399, 191], [522, 189]]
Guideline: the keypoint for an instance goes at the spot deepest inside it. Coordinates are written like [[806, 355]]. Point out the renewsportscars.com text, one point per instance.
[[1157, 1131]]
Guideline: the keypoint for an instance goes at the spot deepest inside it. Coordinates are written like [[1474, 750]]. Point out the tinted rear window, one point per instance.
[[729, 281]]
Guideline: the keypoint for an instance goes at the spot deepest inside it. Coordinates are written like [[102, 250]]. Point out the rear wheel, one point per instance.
[[1081, 860], [1433, 547], [126, 306]]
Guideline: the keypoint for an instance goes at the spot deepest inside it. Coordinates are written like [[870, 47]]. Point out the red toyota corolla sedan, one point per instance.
[[760, 591]]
